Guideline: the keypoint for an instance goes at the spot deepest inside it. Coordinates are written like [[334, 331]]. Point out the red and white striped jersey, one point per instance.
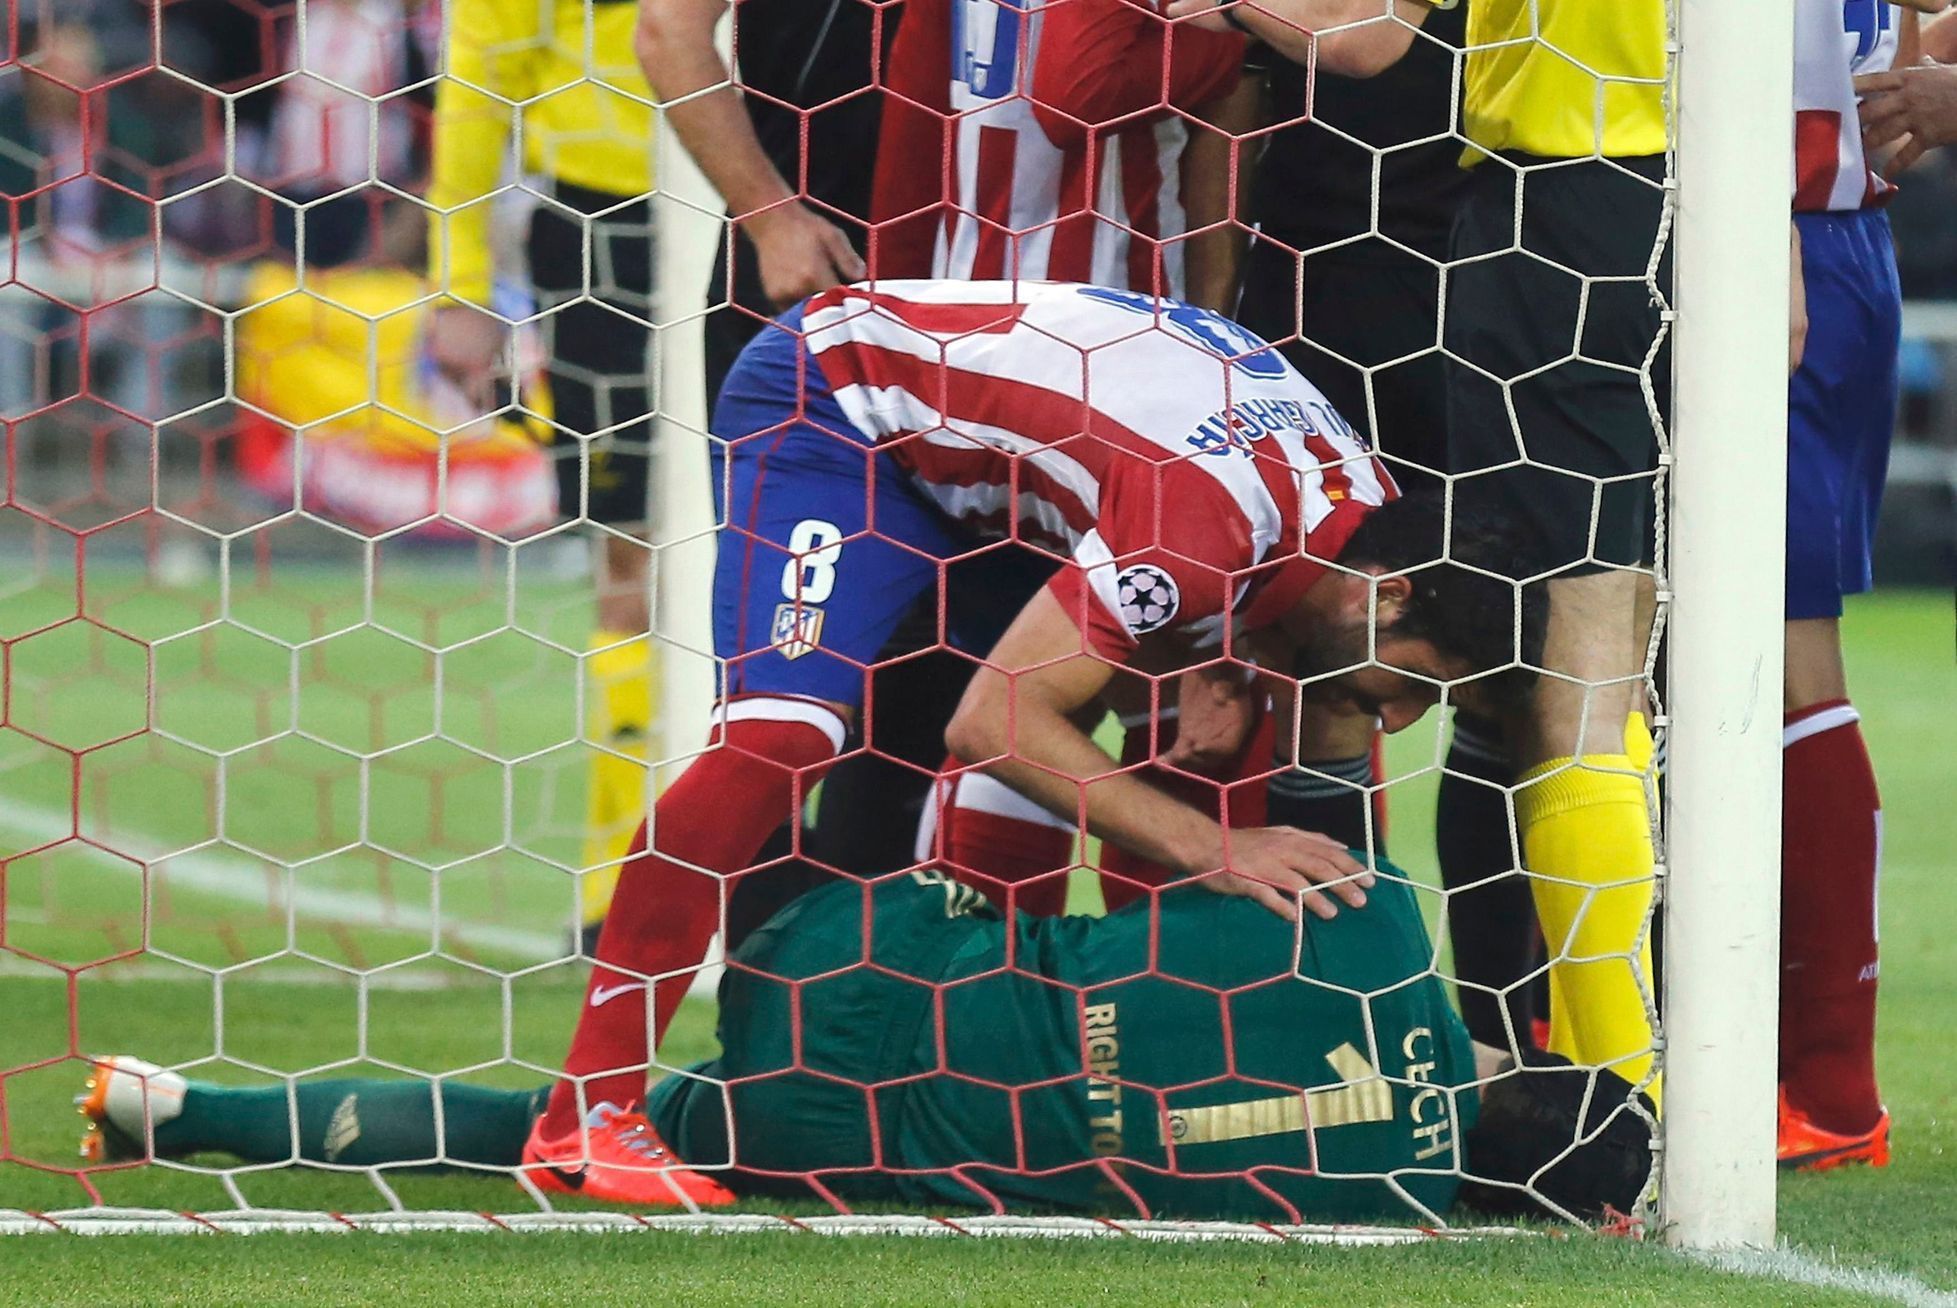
[[1052, 151], [1834, 42], [1184, 466]]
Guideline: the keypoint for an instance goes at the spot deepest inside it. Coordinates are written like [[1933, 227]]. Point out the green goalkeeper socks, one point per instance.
[[355, 1123]]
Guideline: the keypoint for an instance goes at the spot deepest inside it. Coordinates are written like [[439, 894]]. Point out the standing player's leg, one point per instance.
[[1372, 313], [1491, 919], [738, 307], [1558, 334], [598, 326], [805, 594], [1842, 404]]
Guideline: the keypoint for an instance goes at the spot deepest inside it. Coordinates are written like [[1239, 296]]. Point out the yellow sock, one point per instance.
[[1638, 743], [1585, 824], [618, 692]]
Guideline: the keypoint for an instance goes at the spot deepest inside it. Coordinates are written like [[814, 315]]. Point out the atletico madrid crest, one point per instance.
[[797, 630]]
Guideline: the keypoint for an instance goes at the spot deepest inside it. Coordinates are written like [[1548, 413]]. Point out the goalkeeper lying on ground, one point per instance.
[[1209, 1061]]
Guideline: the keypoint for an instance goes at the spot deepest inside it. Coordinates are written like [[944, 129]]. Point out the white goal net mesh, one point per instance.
[[344, 615]]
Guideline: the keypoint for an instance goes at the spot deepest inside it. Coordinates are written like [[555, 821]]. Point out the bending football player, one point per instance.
[[1203, 1058], [1176, 487]]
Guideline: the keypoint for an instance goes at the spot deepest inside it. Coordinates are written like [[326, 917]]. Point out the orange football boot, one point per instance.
[[1806, 1147], [617, 1157]]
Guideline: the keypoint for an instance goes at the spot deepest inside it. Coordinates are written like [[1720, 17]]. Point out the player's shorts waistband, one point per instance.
[[1865, 228], [777, 381], [1651, 167]]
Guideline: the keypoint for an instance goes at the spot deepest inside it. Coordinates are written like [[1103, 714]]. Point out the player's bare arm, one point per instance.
[[800, 252], [1215, 167], [1016, 722], [1371, 35], [1216, 710], [1939, 39], [466, 340], [467, 343]]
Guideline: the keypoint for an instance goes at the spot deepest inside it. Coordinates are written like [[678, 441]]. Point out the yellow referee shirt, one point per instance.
[[1566, 79], [562, 76]]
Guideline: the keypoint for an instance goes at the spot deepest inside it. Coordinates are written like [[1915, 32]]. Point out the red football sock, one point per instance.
[[1004, 845], [1831, 831], [708, 826]]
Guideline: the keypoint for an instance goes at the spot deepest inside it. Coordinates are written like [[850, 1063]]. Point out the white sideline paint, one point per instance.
[[242, 880], [1786, 1264]]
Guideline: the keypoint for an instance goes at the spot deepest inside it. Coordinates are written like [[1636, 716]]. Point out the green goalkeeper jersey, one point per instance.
[[1205, 1059]]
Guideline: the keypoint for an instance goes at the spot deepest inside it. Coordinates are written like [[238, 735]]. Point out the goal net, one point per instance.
[[357, 593]]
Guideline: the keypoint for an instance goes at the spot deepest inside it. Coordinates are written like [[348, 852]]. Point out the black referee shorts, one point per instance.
[[1351, 309], [1551, 341], [598, 337]]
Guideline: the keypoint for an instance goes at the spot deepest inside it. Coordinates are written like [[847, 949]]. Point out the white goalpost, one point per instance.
[[1734, 79]]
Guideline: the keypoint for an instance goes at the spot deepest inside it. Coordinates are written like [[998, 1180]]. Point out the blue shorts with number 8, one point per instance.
[[825, 544]]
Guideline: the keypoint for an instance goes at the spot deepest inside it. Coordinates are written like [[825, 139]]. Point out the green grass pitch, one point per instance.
[[274, 955]]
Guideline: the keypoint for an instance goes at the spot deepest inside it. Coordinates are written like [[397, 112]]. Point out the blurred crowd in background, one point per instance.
[[148, 129], [243, 115]]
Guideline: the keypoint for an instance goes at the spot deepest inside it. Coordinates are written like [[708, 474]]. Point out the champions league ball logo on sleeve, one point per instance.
[[1148, 598]]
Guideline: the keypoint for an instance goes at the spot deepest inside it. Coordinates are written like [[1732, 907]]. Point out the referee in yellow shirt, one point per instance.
[[1552, 325], [551, 88], [1549, 324]]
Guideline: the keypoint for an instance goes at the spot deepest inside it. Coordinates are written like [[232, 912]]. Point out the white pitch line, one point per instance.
[[122, 1221], [147, 970], [1789, 1264], [242, 880]]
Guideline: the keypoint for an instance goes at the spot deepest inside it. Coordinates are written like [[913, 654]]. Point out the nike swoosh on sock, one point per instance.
[[603, 994]]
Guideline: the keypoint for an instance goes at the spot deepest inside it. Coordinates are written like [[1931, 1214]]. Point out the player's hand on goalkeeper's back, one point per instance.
[[1282, 867]]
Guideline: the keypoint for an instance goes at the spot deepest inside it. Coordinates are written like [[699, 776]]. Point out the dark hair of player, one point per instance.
[[1464, 563], [1554, 1139]]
